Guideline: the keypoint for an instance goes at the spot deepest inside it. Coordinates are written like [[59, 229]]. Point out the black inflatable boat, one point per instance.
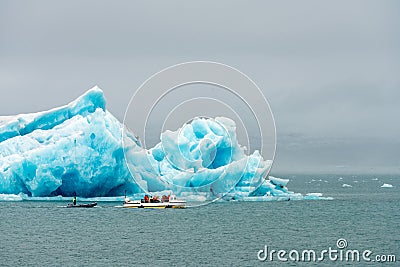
[[89, 205]]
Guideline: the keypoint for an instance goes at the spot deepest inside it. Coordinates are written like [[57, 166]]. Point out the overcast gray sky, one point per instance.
[[329, 69]]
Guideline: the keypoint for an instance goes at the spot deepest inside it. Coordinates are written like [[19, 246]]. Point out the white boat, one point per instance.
[[155, 203]]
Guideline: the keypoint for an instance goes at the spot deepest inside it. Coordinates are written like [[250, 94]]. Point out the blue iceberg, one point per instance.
[[74, 149], [82, 149]]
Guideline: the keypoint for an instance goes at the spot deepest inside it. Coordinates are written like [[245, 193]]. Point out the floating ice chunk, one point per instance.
[[314, 194], [387, 186], [278, 181], [312, 197], [346, 185], [10, 197]]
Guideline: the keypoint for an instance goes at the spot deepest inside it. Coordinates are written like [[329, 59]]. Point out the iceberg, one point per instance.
[[11, 197], [82, 149], [387, 186], [71, 150], [278, 181]]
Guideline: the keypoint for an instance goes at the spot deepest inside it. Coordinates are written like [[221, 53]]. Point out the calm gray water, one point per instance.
[[221, 234]]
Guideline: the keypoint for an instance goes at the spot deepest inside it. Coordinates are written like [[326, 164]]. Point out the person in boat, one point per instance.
[[74, 201], [212, 191], [156, 200]]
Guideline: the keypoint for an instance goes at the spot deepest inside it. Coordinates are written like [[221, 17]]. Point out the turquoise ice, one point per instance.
[[82, 149]]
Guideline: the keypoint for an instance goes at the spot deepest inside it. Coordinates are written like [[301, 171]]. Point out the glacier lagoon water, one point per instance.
[[76, 149], [221, 234]]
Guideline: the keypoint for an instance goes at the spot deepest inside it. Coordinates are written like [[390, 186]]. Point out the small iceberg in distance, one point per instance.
[[25, 197], [11, 197], [314, 194], [278, 181], [387, 186], [346, 185]]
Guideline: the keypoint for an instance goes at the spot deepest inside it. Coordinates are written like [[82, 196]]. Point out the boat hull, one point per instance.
[[160, 205], [90, 205]]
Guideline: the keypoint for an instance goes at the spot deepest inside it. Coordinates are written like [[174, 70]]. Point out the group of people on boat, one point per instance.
[[155, 199]]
